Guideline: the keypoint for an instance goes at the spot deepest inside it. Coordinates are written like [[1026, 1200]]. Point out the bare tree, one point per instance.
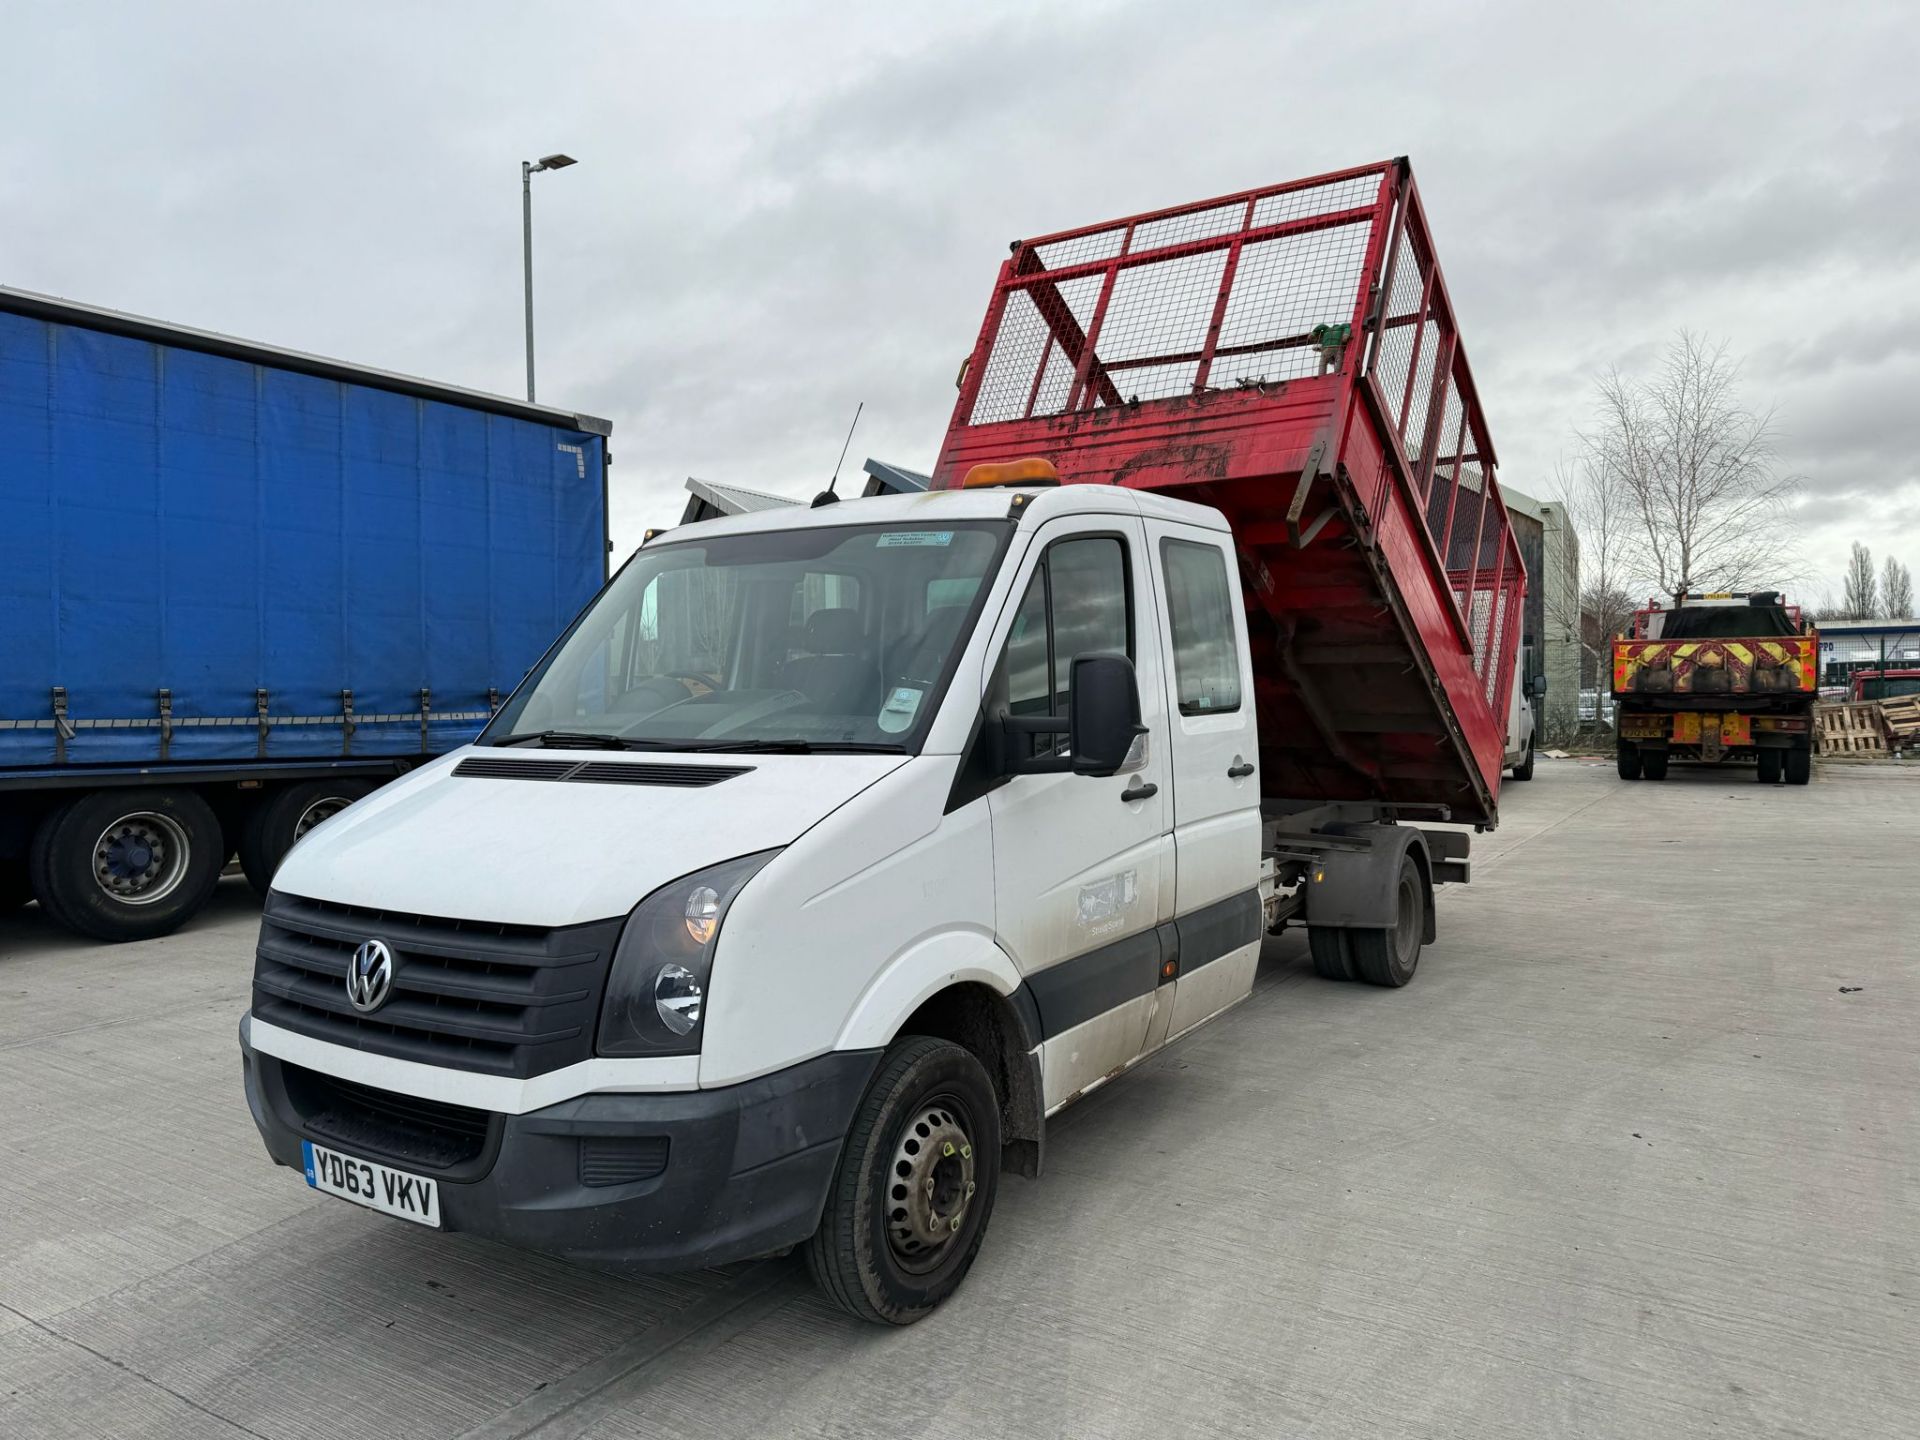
[[1896, 590], [1601, 604], [1695, 470], [1860, 597]]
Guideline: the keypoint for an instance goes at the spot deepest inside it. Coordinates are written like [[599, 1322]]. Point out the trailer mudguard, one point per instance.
[[1354, 888]]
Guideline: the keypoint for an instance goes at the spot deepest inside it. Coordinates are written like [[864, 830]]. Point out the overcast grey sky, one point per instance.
[[781, 211]]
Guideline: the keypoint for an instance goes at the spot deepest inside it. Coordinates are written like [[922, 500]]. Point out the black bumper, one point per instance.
[[741, 1171]]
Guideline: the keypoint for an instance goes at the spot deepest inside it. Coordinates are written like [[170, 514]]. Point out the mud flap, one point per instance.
[[1356, 887]]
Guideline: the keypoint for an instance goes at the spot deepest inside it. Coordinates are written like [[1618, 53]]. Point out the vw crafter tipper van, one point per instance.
[[834, 849]]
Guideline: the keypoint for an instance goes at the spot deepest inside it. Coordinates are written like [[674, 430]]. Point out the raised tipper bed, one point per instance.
[[1289, 355]]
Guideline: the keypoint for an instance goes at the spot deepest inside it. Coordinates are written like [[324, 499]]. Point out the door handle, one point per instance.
[[1139, 792], [1240, 771]]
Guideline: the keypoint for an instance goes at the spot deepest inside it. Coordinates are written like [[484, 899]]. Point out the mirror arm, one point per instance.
[[1014, 763]]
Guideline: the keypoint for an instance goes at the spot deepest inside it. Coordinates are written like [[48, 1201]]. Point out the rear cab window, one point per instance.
[[1200, 601]]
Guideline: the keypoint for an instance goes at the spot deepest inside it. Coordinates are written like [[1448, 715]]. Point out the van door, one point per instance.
[[1214, 756], [1082, 865]]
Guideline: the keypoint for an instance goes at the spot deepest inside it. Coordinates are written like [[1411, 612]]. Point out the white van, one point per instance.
[[1520, 714], [829, 853]]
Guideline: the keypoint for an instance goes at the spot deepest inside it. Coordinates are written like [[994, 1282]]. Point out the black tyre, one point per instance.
[[1770, 763], [914, 1189], [1627, 757], [272, 826], [1332, 956], [1524, 770], [15, 888], [1653, 764], [1799, 766], [127, 864], [1390, 956]]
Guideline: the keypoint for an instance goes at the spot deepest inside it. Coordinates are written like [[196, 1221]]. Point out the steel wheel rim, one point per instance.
[[141, 858], [930, 1184], [325, 808]]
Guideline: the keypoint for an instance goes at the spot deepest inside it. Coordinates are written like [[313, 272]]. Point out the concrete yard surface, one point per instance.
[[1622, 1161]]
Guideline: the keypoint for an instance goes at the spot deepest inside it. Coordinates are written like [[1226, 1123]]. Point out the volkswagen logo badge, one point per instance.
[[370, 975]]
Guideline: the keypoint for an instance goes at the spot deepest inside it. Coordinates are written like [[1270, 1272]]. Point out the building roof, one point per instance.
[[893, 479], [710, 498], [1867, 627], [735, 499]]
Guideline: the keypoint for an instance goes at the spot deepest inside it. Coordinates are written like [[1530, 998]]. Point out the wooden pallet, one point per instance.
[[1900, 721], [1851, 728]]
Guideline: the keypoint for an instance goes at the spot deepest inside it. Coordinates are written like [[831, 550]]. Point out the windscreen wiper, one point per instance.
[[567, 739], [794, 747]]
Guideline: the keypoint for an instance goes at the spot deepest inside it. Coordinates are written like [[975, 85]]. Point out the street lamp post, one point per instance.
[[528, 169]]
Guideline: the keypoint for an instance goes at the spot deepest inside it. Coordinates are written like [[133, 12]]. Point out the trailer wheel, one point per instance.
[[1524, 770], [1332, 955], [1653, 763], [15, 889], [1799, 766], [126, 864], [1390, 956], [1627, 756], [914, 1188], [1770, 761], [274, 825]]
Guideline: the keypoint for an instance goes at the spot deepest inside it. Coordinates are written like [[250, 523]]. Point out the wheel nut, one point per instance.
[[966, 1152], [969, 1189], [955, 1224], [947, 1149]]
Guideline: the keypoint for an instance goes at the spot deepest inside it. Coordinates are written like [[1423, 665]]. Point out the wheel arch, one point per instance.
[[962, 987]]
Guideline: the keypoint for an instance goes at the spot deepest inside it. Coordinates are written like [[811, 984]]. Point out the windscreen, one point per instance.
[[830, 638]]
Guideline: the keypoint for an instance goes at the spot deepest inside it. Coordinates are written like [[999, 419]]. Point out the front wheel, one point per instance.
[[910, 1198]]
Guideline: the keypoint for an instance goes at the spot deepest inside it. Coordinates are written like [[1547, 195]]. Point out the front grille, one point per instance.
[[514, 1000], [597, 772], [620, 1160], [426, 1134]]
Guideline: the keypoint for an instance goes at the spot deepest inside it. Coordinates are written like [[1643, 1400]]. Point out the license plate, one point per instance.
[[393, 1192]]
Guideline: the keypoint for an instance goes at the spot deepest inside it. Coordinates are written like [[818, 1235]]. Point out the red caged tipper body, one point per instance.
[[1288, 355]]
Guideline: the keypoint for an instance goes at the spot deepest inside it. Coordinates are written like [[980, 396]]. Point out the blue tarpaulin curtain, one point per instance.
[[182, 520]]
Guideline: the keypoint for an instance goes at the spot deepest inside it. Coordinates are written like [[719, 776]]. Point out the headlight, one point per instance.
[[657, 989]]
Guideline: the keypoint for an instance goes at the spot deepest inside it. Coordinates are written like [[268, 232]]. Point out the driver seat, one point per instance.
[[833, 672]]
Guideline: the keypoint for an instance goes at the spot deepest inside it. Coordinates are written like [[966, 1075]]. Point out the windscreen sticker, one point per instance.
[[902, 705], [914, 537]]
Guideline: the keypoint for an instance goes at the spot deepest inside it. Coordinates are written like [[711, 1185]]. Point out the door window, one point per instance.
[[1200, 600], [1076, 604]]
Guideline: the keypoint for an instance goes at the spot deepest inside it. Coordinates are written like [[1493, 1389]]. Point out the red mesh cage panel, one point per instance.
[[1290, 356]]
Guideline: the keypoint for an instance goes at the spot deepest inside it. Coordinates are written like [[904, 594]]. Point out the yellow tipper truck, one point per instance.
[[1715, 678]]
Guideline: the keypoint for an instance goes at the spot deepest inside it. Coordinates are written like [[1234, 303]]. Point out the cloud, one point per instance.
[[784, 211]]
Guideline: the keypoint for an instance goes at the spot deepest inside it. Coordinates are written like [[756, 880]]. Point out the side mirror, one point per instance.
[[1105, 715], [1538, 687]]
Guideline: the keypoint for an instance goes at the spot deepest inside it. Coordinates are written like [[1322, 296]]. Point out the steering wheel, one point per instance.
[[693, 675]]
